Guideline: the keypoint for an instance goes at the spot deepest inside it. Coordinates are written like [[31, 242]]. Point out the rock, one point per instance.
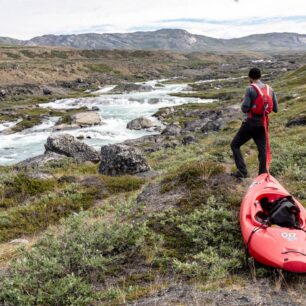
[[122, 159], [85, 119], [67, 145], [189, 139], [210, 126], [153, 143], [40, 160], [188, 88], [47, 91], [153, 101], [65, 127], [194, 126], [172, 129], [95, 108], [2, 93], [140, 123], [40, 176], [301, 120], [131, 87], [19, 241], [164, 112]]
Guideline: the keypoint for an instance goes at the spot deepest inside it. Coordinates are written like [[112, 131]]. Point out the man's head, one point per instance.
[[254, 74]]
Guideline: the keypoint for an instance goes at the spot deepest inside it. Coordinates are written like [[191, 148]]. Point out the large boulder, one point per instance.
[[122, 159], [140, 123], [85, 119], [68, 145]]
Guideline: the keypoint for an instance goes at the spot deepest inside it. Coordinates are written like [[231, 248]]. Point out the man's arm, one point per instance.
[[275, 103], [247, 101]]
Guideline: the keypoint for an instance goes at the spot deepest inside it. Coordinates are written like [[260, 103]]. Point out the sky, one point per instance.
[[24, 19]]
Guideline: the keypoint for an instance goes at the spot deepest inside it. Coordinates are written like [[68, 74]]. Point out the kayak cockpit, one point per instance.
[[259, 213]]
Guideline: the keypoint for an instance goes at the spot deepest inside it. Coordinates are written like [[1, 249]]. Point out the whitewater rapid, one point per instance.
[[116, 110]]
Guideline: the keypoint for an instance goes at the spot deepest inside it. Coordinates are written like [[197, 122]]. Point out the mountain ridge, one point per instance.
[[168, 39]]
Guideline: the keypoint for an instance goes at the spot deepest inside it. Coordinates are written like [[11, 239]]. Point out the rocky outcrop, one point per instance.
[[208, 121], [301, 120], [131, 87], [172, 129], [68, 145], [153, 143], [40, 160], [140, 123], [122, 159], [42, 176], [85, 119]]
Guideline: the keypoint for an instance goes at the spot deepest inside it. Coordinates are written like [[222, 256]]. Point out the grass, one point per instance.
[[117, 251], [100, 68]]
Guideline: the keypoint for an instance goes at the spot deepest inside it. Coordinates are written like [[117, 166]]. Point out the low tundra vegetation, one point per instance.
[[117, 252]]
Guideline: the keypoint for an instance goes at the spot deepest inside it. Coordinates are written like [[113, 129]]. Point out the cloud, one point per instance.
[[221, 18]]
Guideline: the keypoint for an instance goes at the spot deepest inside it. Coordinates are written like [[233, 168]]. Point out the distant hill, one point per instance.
[[169, 39]]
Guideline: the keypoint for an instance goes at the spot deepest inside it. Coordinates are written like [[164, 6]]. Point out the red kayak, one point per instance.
[[272, 245]]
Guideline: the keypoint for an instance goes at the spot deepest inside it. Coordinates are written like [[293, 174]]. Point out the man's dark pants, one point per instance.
[[249, 130]]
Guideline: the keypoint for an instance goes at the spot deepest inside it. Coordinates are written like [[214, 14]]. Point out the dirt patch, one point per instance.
[[260, 293], [155, 200]]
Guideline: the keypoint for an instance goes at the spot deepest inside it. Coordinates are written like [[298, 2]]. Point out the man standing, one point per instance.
[[253, 124]]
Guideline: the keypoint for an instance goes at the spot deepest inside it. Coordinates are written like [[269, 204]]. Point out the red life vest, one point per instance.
[[263, 105]]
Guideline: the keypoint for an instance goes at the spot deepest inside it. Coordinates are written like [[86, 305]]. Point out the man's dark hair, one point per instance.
[[255, 74]]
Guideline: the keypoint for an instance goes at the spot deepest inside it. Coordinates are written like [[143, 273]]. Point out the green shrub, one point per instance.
[[59, 54], [123, 183], [18, 188], [205, 243], [28, 53], [61, 270], [46, 210], [192, 174], [99, 68]]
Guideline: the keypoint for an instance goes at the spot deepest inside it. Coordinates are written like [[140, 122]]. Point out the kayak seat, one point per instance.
[[261, 217]]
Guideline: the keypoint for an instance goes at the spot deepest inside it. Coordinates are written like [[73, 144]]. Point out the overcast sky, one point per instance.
[[25, 19]]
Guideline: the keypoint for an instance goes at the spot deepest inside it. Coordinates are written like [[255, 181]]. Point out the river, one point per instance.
[[116, 110]]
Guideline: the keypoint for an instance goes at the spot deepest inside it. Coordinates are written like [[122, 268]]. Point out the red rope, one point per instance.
[[268, 148]]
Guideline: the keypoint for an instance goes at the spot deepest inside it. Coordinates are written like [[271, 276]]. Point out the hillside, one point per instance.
[[167, 238], [170, 39]]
